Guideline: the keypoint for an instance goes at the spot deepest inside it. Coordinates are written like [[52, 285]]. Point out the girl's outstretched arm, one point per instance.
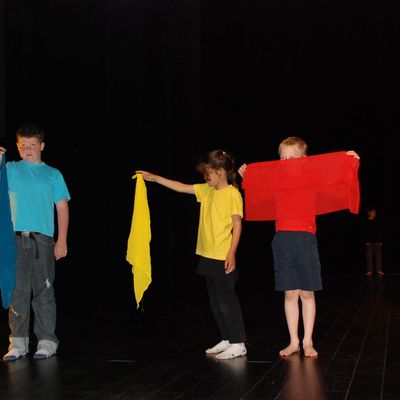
[[169, 183]]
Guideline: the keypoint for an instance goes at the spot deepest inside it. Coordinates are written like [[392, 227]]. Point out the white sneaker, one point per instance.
[[18, 348], [233, 351], [45, 349], [218, 348], [14, 354]]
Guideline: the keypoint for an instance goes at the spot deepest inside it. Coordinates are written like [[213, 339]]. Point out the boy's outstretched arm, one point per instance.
[[2, 151], [353, 153], [60, 248], [242, 170], [170, 184]]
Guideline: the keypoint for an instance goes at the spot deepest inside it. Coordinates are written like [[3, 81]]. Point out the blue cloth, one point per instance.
[[34, 189], [8, 252]]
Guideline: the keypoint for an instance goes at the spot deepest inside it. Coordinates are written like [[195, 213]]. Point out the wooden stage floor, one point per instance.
[[114, 352]]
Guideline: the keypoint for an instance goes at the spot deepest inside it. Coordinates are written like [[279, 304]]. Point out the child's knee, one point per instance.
[[306, 295], [292, 295]]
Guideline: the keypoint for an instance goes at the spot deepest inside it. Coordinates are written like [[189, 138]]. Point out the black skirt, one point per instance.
[[210, 267]]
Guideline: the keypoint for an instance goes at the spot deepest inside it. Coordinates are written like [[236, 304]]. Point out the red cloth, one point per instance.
[[301, 187]]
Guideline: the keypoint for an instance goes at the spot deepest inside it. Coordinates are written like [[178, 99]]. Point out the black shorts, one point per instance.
[[296, 261]]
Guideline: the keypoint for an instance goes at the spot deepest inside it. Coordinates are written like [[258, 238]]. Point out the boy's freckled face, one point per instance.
[[30, 149], [288, 152]]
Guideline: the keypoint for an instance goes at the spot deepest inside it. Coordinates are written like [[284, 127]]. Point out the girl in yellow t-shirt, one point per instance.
[[220, 226]]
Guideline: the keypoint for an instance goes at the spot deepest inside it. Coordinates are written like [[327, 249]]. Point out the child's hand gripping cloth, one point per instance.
[[301, 187], [8, 252], [138, 252]]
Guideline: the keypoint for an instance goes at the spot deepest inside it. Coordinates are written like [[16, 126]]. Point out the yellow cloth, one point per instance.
[[138, 252]]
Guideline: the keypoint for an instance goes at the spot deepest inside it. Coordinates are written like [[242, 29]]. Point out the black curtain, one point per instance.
[[123, 85]]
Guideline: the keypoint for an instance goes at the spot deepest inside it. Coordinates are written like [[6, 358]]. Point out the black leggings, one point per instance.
[[225, 307]]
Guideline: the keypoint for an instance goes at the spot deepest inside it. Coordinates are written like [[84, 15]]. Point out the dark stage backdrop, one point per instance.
[[120, 85]]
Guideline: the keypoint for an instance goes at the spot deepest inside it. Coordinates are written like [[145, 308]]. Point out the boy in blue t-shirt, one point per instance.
[[34, 189]]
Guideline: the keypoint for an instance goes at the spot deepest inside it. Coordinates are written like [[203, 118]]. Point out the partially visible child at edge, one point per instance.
[[373, 242], [219, 230], [35, 188], [307, 262]]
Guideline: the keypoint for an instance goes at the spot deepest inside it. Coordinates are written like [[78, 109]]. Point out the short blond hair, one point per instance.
[[294, 141]]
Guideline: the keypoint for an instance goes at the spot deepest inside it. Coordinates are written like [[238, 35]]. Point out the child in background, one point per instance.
[[219, 230], [373, 242]]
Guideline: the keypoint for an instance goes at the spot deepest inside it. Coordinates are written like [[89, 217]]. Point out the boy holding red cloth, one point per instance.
[[292, 191]]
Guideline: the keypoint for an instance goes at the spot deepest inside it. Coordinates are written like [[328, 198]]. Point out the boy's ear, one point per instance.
[[42, 146]]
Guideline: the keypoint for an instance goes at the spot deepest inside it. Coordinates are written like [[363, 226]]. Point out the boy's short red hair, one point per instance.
[[294, 141]]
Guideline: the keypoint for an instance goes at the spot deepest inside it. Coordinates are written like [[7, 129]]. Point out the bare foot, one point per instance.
[[309, 350], [291, 349]]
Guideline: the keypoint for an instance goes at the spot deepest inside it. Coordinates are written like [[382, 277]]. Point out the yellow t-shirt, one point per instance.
[[217, 207]]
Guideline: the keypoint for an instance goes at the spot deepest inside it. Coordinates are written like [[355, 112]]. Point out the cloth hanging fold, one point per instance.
[[138, 250], [301, 187], [8, 251]]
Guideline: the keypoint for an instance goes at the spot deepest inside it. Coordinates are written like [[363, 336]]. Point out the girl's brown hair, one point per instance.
[[219, 159]]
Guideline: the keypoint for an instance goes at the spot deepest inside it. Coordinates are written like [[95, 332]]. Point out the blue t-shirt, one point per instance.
[[34, 189]]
